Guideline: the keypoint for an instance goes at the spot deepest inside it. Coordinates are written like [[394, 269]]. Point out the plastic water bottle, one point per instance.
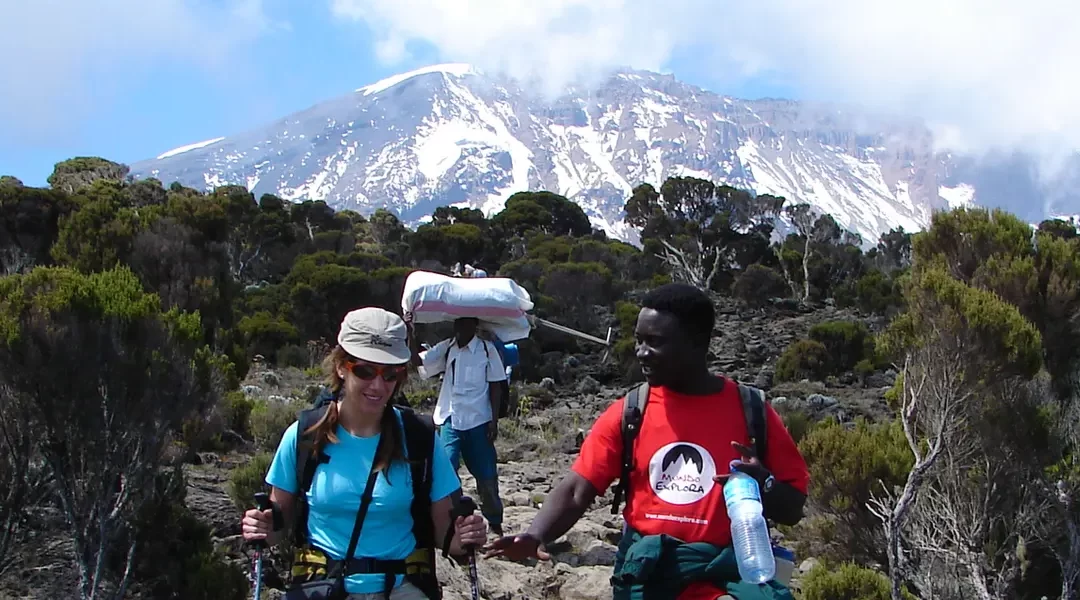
[[749, 531]]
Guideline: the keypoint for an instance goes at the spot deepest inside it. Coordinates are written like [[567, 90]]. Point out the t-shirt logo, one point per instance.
[[681, 473]]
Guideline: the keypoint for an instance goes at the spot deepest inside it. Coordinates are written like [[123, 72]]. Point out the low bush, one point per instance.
[[846, 582], [269, 419], [847, 343], [758, 284], [846, 466], [803, 359], [249, 478]]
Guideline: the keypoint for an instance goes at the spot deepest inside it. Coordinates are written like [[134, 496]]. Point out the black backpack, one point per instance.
[[637, 399], [419, 435], [504, 385]]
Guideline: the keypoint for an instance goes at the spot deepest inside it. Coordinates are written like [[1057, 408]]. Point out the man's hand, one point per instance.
[[516, 547], [749, 464], [493, 431]]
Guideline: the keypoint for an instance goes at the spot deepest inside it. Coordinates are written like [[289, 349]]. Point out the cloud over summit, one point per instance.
[[984, 74]]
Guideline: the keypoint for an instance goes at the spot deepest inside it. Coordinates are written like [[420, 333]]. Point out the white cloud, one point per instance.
[[985, 74], [61, 59]]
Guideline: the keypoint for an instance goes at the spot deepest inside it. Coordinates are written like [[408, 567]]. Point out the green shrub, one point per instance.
[[176, 557], [422, 392], [796, 421], [757, 284], [269, 420], [846, 582], [292, 356], [236, 411], [847, 343], [249, 478], [846, 466], [803, 359], [263, 332], [864, 367]]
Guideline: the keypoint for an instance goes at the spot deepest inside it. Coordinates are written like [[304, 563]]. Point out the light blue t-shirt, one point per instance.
[[335, 493]]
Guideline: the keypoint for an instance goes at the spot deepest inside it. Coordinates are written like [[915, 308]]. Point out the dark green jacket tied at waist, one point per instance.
[[659, 567]]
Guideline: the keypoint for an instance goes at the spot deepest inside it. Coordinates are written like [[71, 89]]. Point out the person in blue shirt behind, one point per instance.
[[359, 431]]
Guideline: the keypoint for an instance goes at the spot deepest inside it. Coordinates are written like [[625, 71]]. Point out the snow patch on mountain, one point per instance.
[[188, 148], [454, 136], [456, 69], [957, 196]]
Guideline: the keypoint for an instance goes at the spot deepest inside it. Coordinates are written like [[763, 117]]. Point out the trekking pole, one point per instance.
[[262, 502], [465, 507]]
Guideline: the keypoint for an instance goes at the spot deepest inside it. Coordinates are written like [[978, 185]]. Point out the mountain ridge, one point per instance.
[[449, 134]]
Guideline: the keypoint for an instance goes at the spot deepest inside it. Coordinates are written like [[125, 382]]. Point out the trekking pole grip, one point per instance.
[[262, 502], [464, 507]]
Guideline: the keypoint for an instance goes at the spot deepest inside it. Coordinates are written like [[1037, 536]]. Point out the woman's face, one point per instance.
[[368, 386]]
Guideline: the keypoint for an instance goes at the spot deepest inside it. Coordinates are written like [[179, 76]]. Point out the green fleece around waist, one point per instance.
[[659, 567]]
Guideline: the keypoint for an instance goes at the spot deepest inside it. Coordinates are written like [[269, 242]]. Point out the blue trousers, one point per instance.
[[473, 446]]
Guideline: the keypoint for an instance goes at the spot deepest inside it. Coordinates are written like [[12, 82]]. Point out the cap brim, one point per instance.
[[394, 356]]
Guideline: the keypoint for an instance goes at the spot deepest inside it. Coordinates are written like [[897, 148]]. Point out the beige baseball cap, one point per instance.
[[375, 335]]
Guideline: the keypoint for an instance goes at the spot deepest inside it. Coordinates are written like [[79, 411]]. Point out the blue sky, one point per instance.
[[127, 80]]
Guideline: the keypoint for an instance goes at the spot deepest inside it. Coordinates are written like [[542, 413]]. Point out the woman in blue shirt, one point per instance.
[[360, 431]]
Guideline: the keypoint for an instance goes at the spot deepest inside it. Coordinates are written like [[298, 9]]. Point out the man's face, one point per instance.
[[663, 348], [464, 330]]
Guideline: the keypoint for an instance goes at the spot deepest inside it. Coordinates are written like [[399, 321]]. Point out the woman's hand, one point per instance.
[[470, 532], [257, 524]]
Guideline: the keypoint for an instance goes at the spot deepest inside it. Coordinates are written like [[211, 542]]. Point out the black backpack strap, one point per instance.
[[753, 403], [633, 414], [420, 447], [365, 502], [307, 460]]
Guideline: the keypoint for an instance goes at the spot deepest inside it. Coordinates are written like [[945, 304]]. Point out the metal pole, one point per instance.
[[464, 507], [573, 332], [262, 501]]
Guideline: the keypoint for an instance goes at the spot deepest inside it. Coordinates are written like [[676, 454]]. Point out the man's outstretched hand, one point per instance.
[[516, 547]]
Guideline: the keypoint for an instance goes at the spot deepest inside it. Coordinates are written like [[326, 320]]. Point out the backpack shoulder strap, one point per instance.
[[307, 460], [753, 404], [420, 447], [633, 414]]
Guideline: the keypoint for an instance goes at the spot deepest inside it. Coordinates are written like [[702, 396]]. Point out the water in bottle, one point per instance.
[[749, 531]]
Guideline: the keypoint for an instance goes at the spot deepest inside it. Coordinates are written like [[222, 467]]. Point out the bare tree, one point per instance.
[[689, 267], [971, 516], [814, 230], [931, 415], [108, 390], [1059, 525], [14, 260], [754, 214], [23, 480]]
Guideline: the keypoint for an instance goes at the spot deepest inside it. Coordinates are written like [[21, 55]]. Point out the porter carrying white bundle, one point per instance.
[[498, 302]]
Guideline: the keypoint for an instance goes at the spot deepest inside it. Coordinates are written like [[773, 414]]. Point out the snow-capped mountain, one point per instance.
[[450, 135]]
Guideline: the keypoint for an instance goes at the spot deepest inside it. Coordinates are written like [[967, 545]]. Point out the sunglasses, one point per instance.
[[367, 372]]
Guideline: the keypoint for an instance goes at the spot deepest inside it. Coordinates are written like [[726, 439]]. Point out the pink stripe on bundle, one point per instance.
[[466, 311]]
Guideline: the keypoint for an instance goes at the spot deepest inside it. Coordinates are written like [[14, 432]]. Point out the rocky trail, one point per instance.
[[536, 446]]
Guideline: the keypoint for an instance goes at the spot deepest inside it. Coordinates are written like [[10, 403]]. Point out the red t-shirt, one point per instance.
[[683, 442]]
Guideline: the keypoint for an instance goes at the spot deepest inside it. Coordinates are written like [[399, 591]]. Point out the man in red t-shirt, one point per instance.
[[692, 430]]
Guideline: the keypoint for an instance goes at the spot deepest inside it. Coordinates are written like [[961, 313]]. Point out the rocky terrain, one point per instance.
[[538, 446]]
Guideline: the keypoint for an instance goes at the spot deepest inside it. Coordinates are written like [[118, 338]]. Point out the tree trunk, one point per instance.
[[786, 272], [978, 582], [806, 270]]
